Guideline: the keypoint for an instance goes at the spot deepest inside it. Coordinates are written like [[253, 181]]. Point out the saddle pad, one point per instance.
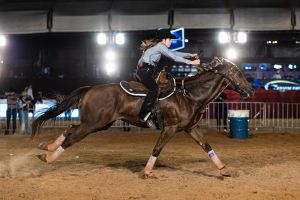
[[139, 90]]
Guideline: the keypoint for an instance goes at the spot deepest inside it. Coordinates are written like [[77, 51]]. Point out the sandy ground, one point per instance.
[[109, 166]]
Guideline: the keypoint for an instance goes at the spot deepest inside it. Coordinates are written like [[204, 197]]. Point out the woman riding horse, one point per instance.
[[102, 105], [148, 67]]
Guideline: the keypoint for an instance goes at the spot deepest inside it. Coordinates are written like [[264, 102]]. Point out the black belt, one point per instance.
[[147, 65], [149, 68]]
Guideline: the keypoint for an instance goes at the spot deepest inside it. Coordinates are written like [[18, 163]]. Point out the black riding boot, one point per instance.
[[145, 110], [149, 82], [145, 114]]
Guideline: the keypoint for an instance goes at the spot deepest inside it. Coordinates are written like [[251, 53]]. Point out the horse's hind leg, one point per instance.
[[197, 135], [54, 145], [166, 135], [80, 132]]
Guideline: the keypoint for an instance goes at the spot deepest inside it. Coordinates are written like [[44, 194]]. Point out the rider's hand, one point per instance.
[[194, 56], [195, 62]]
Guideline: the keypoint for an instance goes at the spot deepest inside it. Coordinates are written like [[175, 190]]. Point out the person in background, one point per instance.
[[24, 102], [126, 126], [277, 75], [29, 91], [68, 114], [30, 97], [11, 112], [221, 112], [39, 97], [148, 67]]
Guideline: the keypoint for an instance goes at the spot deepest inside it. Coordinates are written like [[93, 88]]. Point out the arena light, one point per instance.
[[231, 54], [2, 40], [277, 66], [101, 38], [241, 37], [272, 42], [224, 37], [120, 38], [110, 68], [292, 66], [110, 54]]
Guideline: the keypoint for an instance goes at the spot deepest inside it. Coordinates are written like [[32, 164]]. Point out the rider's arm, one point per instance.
[[182, 54], [170, 54]]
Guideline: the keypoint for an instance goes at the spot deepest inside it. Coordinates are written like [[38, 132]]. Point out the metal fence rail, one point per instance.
[[262, 116]]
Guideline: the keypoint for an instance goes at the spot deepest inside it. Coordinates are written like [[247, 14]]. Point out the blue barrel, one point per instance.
[[238, 123]]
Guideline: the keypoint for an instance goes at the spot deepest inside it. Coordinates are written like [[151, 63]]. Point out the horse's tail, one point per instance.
[[59, 108]]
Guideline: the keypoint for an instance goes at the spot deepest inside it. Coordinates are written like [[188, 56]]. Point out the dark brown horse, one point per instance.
[[103, 104]]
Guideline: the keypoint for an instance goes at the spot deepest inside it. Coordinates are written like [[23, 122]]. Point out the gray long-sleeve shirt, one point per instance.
[[153, 55]]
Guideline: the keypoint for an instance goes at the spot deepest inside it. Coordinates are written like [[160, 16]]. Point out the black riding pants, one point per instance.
[[146, 75]]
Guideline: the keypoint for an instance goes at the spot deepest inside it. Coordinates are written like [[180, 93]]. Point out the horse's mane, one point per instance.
[[204, 71], [217, 67]]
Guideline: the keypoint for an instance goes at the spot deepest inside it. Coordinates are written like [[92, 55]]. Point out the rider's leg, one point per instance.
[[149, 82]]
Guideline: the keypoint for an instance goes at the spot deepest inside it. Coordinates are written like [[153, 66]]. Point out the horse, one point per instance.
[[102, 105]]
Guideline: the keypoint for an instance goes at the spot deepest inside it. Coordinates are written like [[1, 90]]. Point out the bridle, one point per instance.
[[229, 75]]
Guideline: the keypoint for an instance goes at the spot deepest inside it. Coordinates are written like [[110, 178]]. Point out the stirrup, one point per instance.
[[147, 116]]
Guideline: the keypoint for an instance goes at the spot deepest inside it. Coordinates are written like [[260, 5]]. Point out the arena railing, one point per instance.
[[262, 116]]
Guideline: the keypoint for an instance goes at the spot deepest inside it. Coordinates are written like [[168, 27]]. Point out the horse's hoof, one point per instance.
[[42, 157], [43, 146], [149, 175], [225, 172]]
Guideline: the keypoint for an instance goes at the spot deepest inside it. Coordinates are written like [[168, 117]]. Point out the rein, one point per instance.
[[215, 71], [226, 75]]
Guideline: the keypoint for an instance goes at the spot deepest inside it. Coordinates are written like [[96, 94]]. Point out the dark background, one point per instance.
[[75, 59], [63, 61]]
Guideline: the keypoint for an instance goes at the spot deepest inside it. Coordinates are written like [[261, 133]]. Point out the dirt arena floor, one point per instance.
[[109, 165]]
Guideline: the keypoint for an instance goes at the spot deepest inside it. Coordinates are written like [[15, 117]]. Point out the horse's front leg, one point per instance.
[[167, 133], [198, 136]]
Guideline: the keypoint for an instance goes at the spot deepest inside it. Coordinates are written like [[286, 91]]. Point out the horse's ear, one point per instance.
[[226, 61], [217, 60]]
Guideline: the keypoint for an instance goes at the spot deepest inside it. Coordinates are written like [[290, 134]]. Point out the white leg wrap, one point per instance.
[[52, 157], [150, 164], [60, 140], [213, 156], [56, 143]]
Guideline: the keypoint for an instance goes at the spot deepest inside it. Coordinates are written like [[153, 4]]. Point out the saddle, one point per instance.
[[165, 81]]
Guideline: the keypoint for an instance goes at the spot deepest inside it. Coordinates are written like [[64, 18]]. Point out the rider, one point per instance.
[[148, 68]]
